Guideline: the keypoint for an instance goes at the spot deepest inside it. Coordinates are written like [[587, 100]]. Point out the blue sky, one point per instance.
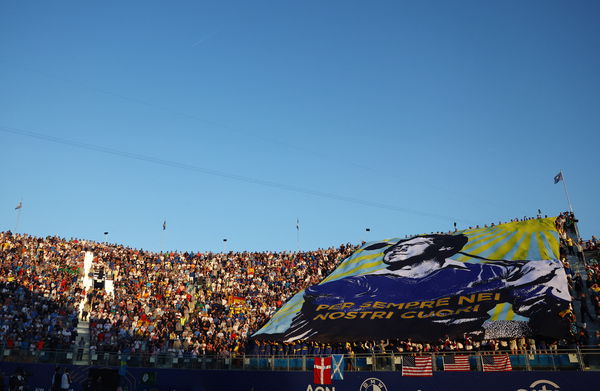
[[233, 119]]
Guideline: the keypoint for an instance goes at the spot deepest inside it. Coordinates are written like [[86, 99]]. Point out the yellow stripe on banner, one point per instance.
[[553, 243], [511, 314], [498, 310], [485, 247], [353, 271], [473, 232], [362, 249], [487, 234], [549, 224], [286, 311], [541, 246], [351, 261], [470, 244], [357, 260], [507, 247], [523, 249]]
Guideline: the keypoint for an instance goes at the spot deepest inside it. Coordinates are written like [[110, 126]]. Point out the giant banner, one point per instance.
[[493, 282]]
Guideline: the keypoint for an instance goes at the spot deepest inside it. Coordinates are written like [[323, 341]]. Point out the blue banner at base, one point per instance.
[[38, 377]]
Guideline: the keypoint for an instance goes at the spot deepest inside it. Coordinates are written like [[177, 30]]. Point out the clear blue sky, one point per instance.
[[398, 116]]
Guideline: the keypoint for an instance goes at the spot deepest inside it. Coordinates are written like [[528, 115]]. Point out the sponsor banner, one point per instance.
[[38, 378], [492, 282]]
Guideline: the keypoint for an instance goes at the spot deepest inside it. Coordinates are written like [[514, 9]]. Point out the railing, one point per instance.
[[579, 359]]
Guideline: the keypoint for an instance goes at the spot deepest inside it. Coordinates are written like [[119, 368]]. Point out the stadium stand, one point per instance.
[[93, 298], [40, 288]]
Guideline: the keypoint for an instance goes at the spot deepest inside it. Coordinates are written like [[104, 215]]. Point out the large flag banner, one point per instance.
[[496, 363], [337, 367], [417, 366], [502, 281], [456, 362], [322, 370]]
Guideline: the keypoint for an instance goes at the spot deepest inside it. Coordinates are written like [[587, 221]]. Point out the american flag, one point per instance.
[[417, 366], [496, 363], [456, 363]]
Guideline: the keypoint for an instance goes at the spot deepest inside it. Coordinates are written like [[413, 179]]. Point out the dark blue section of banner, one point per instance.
[[452, 300]]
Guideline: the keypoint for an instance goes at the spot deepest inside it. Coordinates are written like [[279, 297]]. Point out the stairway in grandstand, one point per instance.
[[578, 267], [87, 280], [83, 326], [82, 351]]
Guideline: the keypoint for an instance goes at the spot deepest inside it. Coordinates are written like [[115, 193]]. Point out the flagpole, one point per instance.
[[162, 236], [298, 235], [566, 192], [20, 207], [18, 220], [162, 241]]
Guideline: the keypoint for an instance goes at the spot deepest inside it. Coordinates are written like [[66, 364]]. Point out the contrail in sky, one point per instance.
[[201, 40]]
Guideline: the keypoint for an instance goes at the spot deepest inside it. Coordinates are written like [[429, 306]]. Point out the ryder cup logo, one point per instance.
[[373, 384], [542, 385]]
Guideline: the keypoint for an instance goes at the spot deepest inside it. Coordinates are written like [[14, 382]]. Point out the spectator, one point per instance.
[[65, 383], [56, 379]]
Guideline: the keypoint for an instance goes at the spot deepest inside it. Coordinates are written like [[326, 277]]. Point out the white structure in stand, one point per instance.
[[109, 287], [88, 282]]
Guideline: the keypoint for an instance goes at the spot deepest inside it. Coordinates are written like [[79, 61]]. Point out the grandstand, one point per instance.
[[122, 317]]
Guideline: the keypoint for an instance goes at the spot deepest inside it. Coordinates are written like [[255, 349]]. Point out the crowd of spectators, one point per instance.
[[399, 346], [39, 286], [590, 245], [593, 284], [195, 303], [199, 303]]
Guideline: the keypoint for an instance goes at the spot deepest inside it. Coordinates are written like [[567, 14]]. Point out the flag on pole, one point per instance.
[[337, 365], [558, 177], [417, 366], [496, 363], [19, 205], [456, 363], [297, 225], [322, 370], [164, 225]]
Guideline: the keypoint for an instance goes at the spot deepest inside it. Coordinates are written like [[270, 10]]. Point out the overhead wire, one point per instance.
[[228, 128], [218, 173]]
